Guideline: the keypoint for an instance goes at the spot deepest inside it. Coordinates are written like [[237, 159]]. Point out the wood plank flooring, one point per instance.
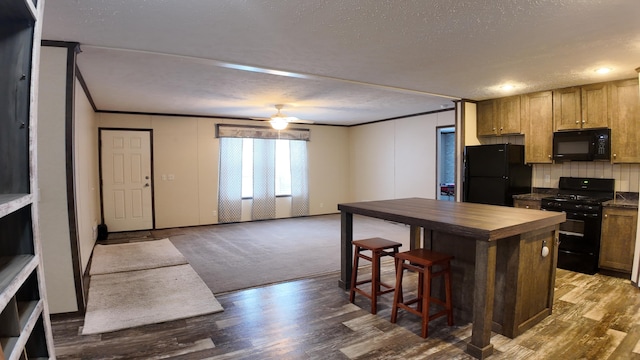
[[594, 317]]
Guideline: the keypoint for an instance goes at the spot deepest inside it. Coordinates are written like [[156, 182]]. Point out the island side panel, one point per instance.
[[346, 249], [523, 297], [535, 280]]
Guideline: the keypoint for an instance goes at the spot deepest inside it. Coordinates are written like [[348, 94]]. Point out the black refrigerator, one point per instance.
[[494, 173]]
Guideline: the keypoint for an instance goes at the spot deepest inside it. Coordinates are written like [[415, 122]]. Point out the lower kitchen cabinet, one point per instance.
[[618, 238], [526, 204]]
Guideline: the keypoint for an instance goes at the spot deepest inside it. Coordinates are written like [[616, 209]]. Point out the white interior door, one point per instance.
[[126, 180]]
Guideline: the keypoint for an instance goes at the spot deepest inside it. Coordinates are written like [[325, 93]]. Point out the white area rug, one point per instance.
[[128, 299], [151, 254]]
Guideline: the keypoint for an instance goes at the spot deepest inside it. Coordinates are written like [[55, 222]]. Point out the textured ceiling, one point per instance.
[[338, 62]]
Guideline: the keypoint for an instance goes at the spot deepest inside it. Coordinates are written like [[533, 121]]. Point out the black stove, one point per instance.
[[581, 199]]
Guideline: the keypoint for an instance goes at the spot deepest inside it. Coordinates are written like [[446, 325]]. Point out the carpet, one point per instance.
[[128, 299], [151, 254], [231, 257]]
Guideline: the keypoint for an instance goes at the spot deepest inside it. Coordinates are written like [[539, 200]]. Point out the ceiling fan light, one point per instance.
[[278, 123]]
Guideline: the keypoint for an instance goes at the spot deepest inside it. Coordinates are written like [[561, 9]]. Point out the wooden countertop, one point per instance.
[[477, 221]]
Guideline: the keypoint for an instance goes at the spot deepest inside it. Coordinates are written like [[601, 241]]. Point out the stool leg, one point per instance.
[[354, 275], [397, 294], [426, 299], [449, 302], [420, 289], [375, 280]]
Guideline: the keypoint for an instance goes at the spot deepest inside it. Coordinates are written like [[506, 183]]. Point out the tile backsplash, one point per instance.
[[627, 176]]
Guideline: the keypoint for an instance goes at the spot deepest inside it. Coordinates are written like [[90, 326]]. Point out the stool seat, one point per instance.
[[379, 247], [422, 261]]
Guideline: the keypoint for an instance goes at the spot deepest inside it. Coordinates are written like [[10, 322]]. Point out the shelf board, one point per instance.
[[13, 347], [14, 270], [12, 202]]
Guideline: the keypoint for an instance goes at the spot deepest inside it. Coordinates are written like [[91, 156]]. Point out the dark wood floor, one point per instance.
[[594, 317]]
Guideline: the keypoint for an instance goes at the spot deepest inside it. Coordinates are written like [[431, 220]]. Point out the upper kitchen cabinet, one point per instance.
[[537, 126], [485, 119], [499, 117], [624, 114], [582, 107]]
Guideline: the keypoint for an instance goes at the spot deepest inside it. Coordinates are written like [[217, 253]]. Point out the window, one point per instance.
[[257, 165], [282, 168]]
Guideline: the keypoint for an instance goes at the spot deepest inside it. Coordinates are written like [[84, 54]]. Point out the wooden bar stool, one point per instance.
[[379, 247], [422, 261]]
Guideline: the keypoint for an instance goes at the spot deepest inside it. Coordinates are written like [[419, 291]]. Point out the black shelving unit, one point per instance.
[[25, 328]]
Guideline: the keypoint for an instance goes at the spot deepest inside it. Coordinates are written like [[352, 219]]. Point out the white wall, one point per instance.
[[53, 214], [395, 159], [186, 148], [87, 185]]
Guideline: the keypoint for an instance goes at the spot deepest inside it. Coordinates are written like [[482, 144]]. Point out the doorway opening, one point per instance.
[[445, 171]]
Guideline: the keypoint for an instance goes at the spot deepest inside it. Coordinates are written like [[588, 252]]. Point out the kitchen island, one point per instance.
[[501, 280]]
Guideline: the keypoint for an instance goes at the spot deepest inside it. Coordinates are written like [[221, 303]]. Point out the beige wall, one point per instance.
[[53, 215], [87, 185], [186, 148], [395, 159]]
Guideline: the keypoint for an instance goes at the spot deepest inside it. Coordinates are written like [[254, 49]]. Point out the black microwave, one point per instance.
[[582, 145]]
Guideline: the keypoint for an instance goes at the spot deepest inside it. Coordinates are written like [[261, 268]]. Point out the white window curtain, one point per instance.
[[264, 168], [299, 178], [264, 175], [230, 180]]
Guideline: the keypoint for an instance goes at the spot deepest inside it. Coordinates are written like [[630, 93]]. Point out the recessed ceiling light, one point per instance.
[[507, 87], [603, 70]]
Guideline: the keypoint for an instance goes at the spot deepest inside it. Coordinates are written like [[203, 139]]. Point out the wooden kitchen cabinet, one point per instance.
[[584, 107], [486, 111], [624, 114], [526, 204], [595, 106], [537, 124], [618, 238], [499, 117]]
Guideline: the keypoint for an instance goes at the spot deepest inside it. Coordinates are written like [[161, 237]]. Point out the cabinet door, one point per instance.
[[537, 120], [566, 109], [508, 116], [594, 106], [618, 238], [624, 113], [486, 121]]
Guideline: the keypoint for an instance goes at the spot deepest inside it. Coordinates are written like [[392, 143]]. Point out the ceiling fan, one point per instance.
[[279, 121]]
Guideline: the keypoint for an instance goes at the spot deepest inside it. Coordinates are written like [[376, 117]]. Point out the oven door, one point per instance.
[[579, 243]]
